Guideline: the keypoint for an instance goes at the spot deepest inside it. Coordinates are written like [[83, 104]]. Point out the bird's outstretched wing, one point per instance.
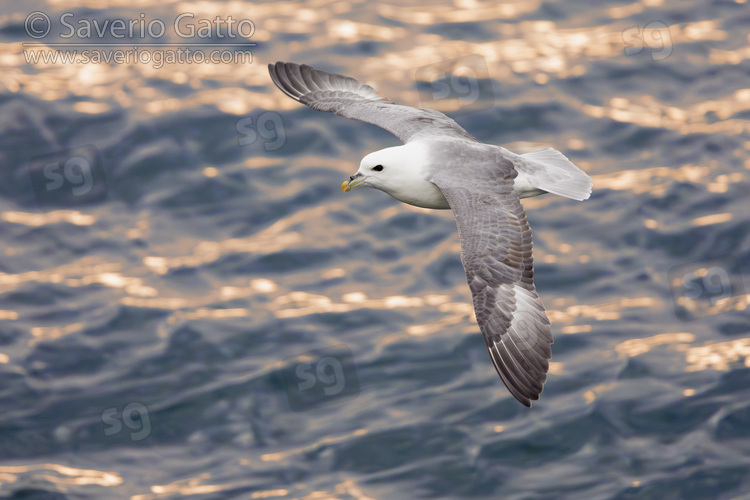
[[348, 97], [496, 254]]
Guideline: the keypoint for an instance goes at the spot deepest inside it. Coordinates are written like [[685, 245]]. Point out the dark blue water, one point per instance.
[[191, 308]]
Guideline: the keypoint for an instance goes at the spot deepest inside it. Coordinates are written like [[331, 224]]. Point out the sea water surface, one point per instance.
[[191, 308]]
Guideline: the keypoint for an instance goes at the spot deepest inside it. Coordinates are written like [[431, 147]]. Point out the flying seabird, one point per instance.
[[441, 166]]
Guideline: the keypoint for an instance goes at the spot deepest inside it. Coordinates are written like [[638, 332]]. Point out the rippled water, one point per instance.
[[191, 308]]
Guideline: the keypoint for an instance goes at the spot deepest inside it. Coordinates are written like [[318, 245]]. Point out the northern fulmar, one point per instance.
[[440, 165]]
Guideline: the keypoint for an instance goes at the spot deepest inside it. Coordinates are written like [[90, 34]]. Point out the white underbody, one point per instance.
[[428, 195], [405, 175]]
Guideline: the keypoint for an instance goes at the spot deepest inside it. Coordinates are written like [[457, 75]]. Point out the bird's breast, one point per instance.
[[422, 194]]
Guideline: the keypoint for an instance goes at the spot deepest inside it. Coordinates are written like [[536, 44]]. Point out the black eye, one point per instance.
[[377, 168]]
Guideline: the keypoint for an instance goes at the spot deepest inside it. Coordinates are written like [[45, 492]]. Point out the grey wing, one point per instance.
[[496, 254], [348, 97]]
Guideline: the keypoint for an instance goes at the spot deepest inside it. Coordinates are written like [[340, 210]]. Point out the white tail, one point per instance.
[[549, 170]]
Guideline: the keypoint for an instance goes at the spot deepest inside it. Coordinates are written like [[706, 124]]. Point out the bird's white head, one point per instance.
[[400, 171]]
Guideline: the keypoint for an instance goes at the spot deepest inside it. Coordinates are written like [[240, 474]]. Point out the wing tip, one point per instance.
[[290, 78], [298, 80], [520, 390], [276, 70], [521, 355]]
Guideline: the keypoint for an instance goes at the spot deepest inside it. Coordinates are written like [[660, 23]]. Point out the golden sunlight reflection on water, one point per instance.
[[529, 47], [711, 356], [59, 474]]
